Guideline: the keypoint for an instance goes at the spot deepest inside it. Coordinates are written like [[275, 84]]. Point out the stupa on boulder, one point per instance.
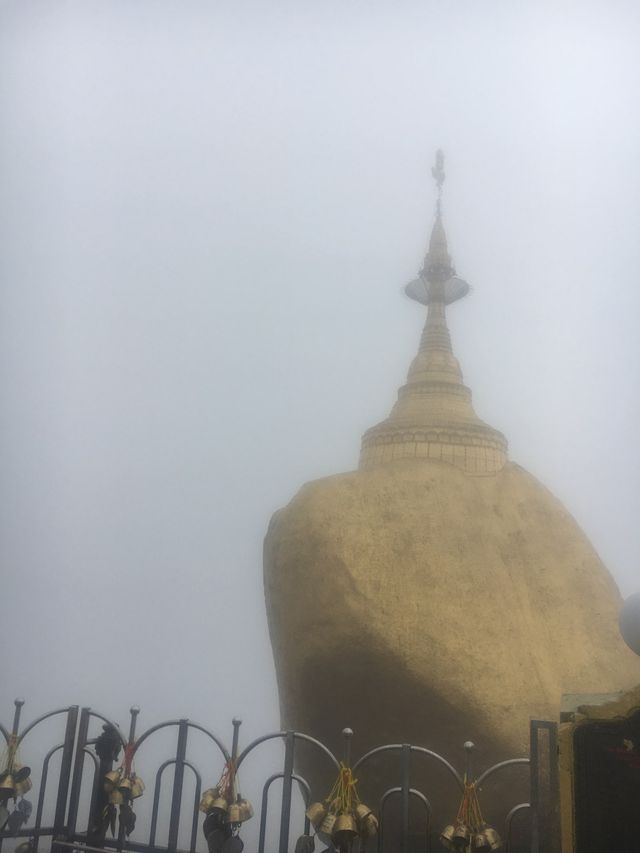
[[439, 593]]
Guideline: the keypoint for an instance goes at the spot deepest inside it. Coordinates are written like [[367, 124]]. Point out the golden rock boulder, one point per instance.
[[418, 604]]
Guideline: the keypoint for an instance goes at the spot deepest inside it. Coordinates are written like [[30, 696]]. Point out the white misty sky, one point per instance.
[[208, 211]]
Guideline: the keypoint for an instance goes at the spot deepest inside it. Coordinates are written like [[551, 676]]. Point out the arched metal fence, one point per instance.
[[72, 804]]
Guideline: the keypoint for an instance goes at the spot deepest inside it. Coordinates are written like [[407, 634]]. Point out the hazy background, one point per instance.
[[207, 213]]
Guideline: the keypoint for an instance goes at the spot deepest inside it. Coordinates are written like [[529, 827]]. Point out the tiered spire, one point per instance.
[[433, 417]]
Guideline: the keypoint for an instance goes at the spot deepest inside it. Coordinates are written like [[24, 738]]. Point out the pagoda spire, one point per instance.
[[434, 417], [438, 259]]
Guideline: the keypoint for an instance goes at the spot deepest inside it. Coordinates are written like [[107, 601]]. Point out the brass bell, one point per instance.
[[446, 836], [137, 787], [362, 811], [316, 813], [370, 826], [22, 782], [367, 821], [233, 813], [493, 839], [345, 829], [207, 800], [246, 809], [219, 805], [461, 836], [111, 780], [116, 797], [480, 841], [325, 829], [125, 786], [7, 785]]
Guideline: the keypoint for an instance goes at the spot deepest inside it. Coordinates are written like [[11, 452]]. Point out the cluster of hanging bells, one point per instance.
[[462, 837], [122, 786], [224, 817], [214, 802], [470, 832], [340, 826]]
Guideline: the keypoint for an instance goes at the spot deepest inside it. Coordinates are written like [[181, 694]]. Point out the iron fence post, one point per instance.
[[236, 722], [65, 770], [16, 716], [76, 781], [554, 790], [287, 783], [178, 780], [535, 788], [347, 735], [404, 796]]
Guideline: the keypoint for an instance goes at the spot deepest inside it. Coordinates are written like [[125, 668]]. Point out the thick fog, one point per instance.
[[207, 213]]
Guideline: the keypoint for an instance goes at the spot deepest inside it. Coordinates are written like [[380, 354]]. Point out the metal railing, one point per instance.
[[71, 796]]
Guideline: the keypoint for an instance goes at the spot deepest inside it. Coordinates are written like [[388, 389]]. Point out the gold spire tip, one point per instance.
[[438, 173]]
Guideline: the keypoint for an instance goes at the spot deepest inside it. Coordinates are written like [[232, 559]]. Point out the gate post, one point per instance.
[[76, 780], [545, 793], [65, 771]]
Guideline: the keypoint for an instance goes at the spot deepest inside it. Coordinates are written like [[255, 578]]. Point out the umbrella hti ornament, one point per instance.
[[122, 787], [226, 810], [15, 781], [341, 817], [470, 832]]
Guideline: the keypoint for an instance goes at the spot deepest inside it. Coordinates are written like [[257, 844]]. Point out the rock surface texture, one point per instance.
[[416, 603], [440, 593]]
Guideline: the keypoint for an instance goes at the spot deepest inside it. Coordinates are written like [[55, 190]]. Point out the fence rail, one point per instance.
[[73, 805]]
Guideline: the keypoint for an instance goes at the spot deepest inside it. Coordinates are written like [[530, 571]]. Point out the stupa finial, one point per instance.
[[437, 280], [439, 175]]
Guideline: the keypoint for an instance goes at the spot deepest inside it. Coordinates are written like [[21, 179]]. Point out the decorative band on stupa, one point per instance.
[[434, 417]]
